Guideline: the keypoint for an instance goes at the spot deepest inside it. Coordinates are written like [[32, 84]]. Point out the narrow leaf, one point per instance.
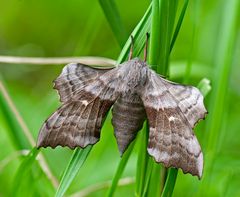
[[142, 162], [78, 158], [113, 17], [139, 34], [204, 86], [24, 170], [170, 183], [179, 24], [15, 131], [120, 169]]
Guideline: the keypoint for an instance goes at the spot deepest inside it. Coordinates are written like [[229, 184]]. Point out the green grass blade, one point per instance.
[[142, 162], [78, 158], [163, 17], [167, 11], [162, 27], [204, 86], [179, 24], [195, 30], [149, 171], [15, 131], [170, 182], [155, 36], [113, 17], [172, 172], [139, 34], [120, 169], [24, 171], [155, 185], [153, 58]]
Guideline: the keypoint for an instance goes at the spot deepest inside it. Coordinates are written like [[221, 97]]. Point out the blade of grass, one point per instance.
[[179, 24], [120, 169], [78, 158], [172, 172], [149, 171], [204, 86], [195, 30], [24, 170], [142, 161], [163, 17], [154, 47], [167, 12], [20, 130], [139, 34], [170, 183], [15, 132], [113, 17]]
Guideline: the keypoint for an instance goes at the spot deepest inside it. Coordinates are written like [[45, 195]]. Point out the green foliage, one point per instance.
[[190, 41], [78, 158], [114, 19]]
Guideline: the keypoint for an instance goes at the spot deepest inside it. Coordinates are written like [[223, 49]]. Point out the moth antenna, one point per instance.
[[131, 49], [146, 47]]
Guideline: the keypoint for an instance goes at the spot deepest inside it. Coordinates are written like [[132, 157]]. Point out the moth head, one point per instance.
[[135, 72]]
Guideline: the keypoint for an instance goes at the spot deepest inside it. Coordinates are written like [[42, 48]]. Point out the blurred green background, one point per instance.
[[60, 28]]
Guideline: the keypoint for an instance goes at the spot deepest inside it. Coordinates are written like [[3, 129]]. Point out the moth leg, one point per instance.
[[146, 47], [131, 49]]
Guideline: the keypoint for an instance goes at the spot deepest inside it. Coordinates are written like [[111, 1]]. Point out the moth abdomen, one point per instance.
[[128, 118]]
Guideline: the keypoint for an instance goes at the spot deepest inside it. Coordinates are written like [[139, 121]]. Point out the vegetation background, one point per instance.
[[208, 46]]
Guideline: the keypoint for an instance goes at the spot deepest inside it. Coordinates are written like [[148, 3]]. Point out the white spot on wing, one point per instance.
[[172, 118], [84, 102]]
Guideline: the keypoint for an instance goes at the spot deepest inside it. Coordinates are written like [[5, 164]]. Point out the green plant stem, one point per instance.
[[196, 16], [179, 24], [15, 131], [24, 170], [168, 11], [139, 34], [142, 162], [112, 15], [155, 36], [121, 167], [78, 158], [163, 17], [170, 183]]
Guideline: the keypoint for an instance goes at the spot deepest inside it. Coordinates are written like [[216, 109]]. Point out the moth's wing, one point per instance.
[[172, 111], [78, 122], [75, 77], [128, 117]]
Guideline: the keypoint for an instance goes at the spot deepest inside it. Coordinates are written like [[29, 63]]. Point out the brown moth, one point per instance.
[[135, 92]]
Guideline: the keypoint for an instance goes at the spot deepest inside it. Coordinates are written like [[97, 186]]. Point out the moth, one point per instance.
[[135, 93]]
